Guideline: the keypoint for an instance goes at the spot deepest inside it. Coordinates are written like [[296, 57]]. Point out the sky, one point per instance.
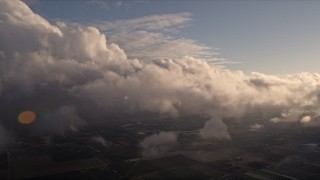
[[256, 36]]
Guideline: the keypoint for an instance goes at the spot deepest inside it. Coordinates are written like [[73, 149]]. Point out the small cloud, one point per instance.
[[275, 120], [305, 119], [310, 121], [158, 144], [215, 128], [255, 127], [101, 140]]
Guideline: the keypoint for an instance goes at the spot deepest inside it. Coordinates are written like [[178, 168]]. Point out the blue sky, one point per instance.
[[265, 36]]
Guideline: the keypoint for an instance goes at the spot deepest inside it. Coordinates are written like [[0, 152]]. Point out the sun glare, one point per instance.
[[27, 117]]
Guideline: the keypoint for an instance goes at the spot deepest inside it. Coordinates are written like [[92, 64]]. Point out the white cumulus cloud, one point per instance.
[[158, 144]]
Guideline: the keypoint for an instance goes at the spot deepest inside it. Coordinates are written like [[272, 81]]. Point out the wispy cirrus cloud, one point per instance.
[[146, 45], [107, 4], [149, 23], [155, 37]]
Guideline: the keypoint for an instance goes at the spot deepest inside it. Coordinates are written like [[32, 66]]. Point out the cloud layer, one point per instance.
[[53, 66]]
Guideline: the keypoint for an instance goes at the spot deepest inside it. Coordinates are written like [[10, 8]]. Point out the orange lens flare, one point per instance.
[[27, 117]]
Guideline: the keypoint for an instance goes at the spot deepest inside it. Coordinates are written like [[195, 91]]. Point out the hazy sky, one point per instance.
[[266, 36]]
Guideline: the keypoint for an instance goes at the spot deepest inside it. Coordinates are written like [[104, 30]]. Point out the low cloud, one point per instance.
[[215, 128], [158, 144], [255, 127], [305, 119], [102, 141], [310, 121]]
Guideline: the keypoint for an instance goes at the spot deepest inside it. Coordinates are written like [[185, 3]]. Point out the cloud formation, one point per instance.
[[102, 141], [151, 23], [158, 144], [53, 66], [215, 129], [153, 37], [310, 120], [255, 127]]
